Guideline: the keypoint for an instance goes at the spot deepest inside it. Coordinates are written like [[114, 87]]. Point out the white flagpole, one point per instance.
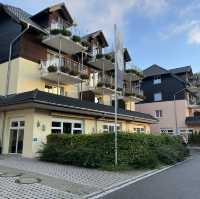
[[116, 98]]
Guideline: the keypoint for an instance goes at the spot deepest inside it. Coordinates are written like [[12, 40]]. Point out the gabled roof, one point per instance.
[[21, 16], [58, 7], [154, 70], [98, 34], [55, 101], [185, 69]]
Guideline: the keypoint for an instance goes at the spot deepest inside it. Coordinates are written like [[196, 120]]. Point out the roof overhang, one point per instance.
[[102, 63], [36, 104], [64, 43]]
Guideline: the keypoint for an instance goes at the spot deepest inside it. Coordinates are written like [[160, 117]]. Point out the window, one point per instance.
[[66, 127], [158, 113], [166, 130], [157, 97], [139, 130], [110, 127], [55, 89], [157, 80]]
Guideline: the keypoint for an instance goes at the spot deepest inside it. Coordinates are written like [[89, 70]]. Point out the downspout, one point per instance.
[[10, 57], [8, 79]]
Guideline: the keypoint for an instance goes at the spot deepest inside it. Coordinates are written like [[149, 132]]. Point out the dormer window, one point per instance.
[[157, 80]]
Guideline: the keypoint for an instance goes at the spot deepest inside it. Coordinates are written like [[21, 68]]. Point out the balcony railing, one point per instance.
[[194, 120], [134, 92], [67, 69]]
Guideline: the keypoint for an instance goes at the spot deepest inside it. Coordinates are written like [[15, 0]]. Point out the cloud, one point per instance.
[[103, 14], [191, 30], [194, 35]]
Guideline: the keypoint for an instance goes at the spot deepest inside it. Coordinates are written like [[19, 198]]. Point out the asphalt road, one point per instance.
[[179, 182]]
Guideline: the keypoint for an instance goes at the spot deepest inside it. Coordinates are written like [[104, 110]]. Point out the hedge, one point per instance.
[[97, 150], [194, 138]]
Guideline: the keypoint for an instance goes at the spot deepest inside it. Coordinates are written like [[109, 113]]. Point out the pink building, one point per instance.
[[170, 98]]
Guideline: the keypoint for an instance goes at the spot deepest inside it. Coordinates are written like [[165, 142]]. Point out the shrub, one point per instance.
[[84, 76], [56, 31], [76, 38], [99, 56], [66, 33], [194, 138], [64, 69], [97, 150], [100, 84], [73, 73], [52, 69], [108, 57]]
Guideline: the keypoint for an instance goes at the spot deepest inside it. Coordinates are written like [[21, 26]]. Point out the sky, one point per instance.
[[163, 32]]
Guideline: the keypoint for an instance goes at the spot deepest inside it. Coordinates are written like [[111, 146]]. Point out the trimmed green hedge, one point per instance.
[[97, 150], [194, 138]]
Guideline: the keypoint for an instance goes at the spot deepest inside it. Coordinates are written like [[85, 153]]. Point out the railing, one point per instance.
[[193, 120], [65, 65], [133, 91], [105, 80]]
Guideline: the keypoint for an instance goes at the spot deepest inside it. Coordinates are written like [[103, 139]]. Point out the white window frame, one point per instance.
[[139, 130], [156, 99], [158, 113], [112, 125], [18, 120], [157, 80], [73, 122]]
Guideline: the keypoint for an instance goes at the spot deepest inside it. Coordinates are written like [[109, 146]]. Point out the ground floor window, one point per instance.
[[167, 130], [110, 127], [67, 126], [139, 130], [16, 136], [185, 130]]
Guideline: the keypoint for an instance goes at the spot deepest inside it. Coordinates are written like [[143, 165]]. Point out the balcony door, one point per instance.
[[16, 136], [54, 59]]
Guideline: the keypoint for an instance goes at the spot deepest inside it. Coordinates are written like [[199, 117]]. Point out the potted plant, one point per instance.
[[84, 76], [84, 44], [52, 69], [108, 85], [99, 56], [108, 57], [64, 69], [66, 32], [100, 84], [76, 38], [119, 89], [73, 73], [55, 31]]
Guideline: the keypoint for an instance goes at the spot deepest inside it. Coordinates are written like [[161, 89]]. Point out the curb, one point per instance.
[[130, 181]]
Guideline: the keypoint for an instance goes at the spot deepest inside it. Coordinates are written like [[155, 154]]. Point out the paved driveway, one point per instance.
[[58, 181], [179, 182]]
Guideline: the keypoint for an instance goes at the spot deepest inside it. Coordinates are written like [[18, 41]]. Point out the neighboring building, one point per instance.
[[54, 83], [170, 97]]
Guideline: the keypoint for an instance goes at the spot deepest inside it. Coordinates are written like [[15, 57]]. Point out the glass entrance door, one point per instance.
[[16, 137]]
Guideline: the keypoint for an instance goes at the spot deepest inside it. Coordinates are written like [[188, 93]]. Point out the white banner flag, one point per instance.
[[119, 58]]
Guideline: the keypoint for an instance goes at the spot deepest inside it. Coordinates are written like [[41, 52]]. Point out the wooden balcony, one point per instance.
[[102, 64], [68, 72], [101, 85], [63, 43]]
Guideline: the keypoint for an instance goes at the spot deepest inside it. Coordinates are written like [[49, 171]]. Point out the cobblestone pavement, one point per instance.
[[11, 190], [57, 181], [90, 177]]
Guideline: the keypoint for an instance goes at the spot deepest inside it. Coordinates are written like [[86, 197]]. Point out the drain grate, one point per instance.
[[27, 180]]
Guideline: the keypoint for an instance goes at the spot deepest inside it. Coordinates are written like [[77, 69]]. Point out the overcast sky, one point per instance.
[[163, 32]]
